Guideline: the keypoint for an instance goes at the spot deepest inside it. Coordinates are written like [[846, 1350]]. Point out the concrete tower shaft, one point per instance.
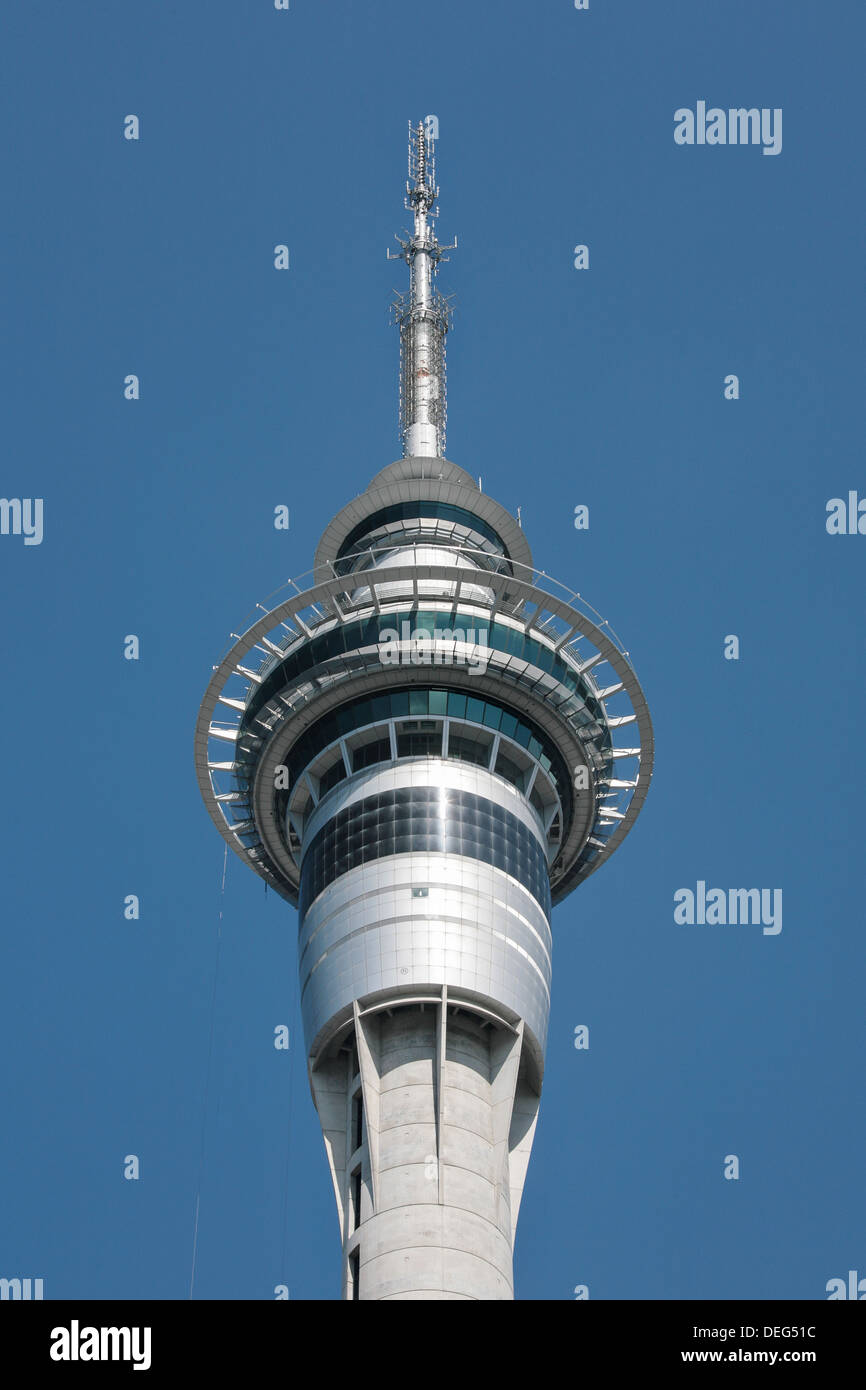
[[423, 745]]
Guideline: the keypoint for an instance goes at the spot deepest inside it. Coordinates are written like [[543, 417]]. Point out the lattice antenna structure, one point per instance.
[[423, 315]]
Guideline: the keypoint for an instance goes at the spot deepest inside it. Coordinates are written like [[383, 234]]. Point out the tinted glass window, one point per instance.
[[424, 819], [407, 511]]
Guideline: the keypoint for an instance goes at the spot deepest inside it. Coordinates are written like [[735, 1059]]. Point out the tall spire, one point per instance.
[[423, 315]]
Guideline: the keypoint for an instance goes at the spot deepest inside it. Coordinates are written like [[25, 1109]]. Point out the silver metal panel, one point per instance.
[[476, 929]]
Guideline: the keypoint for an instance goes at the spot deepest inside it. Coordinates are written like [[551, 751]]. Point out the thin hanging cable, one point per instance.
[[208, 1070]]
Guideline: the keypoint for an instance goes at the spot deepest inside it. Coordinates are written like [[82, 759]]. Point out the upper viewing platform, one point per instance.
[[422, 488]]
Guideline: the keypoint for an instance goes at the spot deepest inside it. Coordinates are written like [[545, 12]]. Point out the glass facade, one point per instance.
[[422, 703], [582, 710], [333, 775], [468, 750], [418, 512], [349, 637], [423, 819], [378, 750]]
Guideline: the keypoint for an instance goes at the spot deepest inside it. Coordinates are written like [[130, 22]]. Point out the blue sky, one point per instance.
[[602, 387]]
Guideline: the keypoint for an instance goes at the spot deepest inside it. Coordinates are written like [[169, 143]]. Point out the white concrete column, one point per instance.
[[445, 1104]]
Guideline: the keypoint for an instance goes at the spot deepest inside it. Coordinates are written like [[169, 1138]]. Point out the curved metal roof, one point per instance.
[[419, 480]]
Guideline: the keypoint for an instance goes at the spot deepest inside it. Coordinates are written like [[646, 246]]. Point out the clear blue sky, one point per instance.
[[603, 387]]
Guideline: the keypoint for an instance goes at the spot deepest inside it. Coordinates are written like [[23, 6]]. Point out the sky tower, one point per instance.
[[423, 746]]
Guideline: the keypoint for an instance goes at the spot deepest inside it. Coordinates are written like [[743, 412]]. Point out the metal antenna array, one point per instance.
[[423, 315]]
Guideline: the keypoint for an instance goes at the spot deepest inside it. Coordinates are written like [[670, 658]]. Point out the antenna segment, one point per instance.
[[423, 315]]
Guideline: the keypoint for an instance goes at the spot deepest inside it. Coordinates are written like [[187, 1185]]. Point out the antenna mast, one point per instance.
[[423, 315]]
